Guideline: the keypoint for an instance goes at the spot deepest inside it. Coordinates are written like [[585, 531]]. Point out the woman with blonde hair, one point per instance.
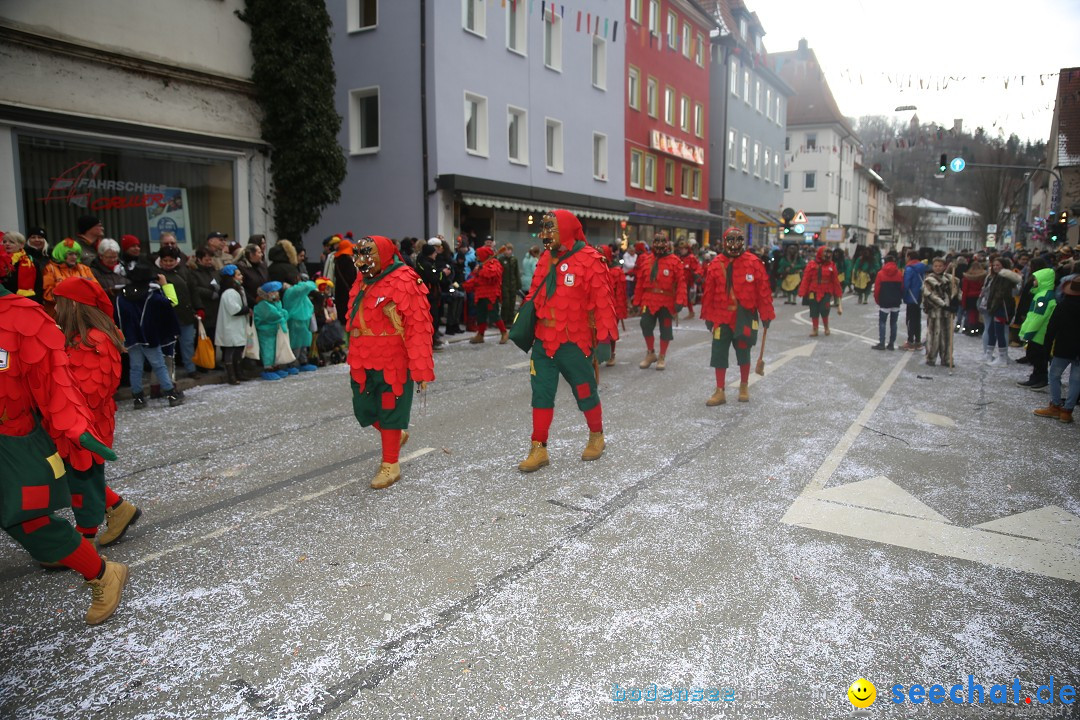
[[23, 275], [93, 344]]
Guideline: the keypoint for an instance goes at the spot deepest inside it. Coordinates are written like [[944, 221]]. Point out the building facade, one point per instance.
[[474, 117], [104, 117], [666, 162], [748, 106], [925, 223]]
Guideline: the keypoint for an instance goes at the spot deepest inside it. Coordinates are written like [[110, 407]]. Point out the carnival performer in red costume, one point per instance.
[[575, 324], [389, 323], [820, 286], [692, 269], [485, 284], [618, 292], [93, 344], [737, 297], [660, 292], [45, 423]]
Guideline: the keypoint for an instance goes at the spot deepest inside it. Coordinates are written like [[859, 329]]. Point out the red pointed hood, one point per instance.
[[824, 254], [484, 252], [570, 230], [387, 251]]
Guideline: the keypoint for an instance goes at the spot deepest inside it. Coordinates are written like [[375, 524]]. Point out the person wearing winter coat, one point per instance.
[[528, 266], [297, 303], [148, 323], [255, 271], [37, 249], [1063, 343], [511, 284], [168, 262], [283, 261], [970, 288], [428, 270], [205, 288], [271, 317], [999, 310], [889, 296], [914, 274], [344, 274], [107, 268], [1033, 331], [231, 323], [66, 262], [940, 295]]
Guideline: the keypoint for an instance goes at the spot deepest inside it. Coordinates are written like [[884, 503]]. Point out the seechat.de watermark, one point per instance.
[[862, 694]]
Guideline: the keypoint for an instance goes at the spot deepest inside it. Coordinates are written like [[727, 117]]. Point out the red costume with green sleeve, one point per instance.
[[660, 291], [485, 284]]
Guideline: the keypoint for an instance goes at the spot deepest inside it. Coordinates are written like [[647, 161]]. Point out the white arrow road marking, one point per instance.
[[933, 419], [291, 505], [518, 366], [1040, 542], [770, 365], [801, 318]]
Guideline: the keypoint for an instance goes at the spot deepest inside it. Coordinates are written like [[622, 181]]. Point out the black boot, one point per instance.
[[175, 396], [230, 374]]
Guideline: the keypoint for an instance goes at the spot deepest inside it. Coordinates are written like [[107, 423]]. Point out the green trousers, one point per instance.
[[377, 402], [573, 365], [648, 324]]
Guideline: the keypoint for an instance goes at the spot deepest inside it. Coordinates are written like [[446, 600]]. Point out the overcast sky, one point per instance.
[[933, 40]]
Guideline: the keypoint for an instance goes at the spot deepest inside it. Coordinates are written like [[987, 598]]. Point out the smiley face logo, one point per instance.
[[862, 693]]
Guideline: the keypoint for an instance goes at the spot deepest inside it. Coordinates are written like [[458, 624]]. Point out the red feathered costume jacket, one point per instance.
[[692, 269], [749, 288], [35, 379], [667, 290], [618, 291], [486, 281], [820, 277], [390, 324], [97, 373], [581, 310]]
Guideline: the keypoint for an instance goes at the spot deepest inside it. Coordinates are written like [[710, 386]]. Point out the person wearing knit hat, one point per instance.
[[40, 397], [232, 323], [66, 262], [660, 292], [84, 313], [485, 284], [270, 319], [89, 232]]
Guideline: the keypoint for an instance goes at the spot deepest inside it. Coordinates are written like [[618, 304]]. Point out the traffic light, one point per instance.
[[1057, 226], [943, 163], [787, 227], [817, 236]]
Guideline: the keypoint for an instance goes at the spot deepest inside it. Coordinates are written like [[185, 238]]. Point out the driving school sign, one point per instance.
[[82, 185]]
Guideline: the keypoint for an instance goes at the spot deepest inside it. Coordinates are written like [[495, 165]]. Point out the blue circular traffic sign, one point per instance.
[[957, 164], [799, 229]]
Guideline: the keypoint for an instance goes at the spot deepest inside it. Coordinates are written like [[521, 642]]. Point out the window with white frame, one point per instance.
[[757, 95], [787, 143], [699, 51], [635, 11], [649, 171], [474, 17], [552, 42], [811, 141], [757, 159], [633, 88], [734, 81], [636, 162], [476, 124], [699, 120], [731, 138], [654, 17], [672, 30], [696, 191], [517, 130], [779, 115], [810, 180], [669, 105], [599, 156], [362, 15], [686, 42], [364, 121], [768, 103], [745, 154], [669, 177], [651, 100], [746, 86], [684, 191], [684, 114], [517, 35], [553, 142], [742, 28], [599, 62], [767, 163], [786, 180]]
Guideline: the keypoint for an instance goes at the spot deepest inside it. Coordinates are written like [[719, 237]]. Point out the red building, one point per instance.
[[667, 106]]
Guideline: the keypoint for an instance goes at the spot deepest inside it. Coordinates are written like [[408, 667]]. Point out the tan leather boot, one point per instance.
[[813, 333], [106, 592], [611, 361], [538, 458], [719, 397], [661, 362], [389, 473], [744, 392], [504, 337], [827, 330], [1050, 411], [649, 360], [117, 521], [595, 447], [404, 438], [477, 339]]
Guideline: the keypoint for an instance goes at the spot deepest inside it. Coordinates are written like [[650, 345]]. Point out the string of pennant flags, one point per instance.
[[942, 82]]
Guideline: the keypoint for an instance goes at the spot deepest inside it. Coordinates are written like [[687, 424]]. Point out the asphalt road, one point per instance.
[[863, 516]]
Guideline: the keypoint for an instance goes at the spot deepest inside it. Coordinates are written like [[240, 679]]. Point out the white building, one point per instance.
[[925, 223], [141, 114]]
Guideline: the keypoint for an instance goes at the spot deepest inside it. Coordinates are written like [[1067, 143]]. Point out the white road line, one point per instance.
[[518, 366], [832, 330], [277, 509]]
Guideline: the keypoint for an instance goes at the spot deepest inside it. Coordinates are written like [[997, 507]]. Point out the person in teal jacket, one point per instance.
[[1033, 331], [300, 308], [270, 316]]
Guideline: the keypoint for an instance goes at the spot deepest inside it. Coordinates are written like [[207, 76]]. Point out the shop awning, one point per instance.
[[526, 205], [648, 212], [754, 215]]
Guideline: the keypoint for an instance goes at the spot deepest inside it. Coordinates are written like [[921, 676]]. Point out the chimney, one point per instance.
[[804, 49]]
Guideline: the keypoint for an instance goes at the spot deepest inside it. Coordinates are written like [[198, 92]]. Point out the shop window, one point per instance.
[[144, 192]]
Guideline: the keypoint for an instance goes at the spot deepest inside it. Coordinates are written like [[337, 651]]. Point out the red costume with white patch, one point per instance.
[[485, 284]]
